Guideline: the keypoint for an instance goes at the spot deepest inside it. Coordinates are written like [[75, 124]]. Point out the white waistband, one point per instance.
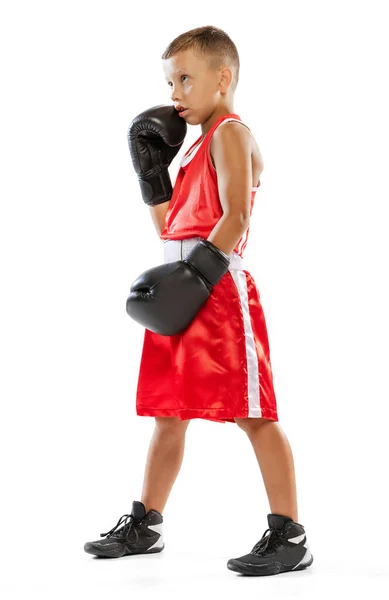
[[179, 249]]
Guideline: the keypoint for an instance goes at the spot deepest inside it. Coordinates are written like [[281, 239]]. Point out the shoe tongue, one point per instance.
[[138, 510], [277, 521]]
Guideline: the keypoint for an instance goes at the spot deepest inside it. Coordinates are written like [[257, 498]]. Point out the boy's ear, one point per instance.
[[226, 79]]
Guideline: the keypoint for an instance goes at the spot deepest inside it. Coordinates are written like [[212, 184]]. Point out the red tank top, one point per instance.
[[195, 206]]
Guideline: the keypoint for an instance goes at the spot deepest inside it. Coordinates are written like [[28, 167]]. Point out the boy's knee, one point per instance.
[[171, 425], [250, 425]]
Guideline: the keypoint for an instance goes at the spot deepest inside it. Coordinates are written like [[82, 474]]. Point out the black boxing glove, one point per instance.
[[167, 298], [154, 137]]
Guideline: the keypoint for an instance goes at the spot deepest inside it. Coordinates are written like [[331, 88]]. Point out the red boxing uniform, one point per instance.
[[219, 367]]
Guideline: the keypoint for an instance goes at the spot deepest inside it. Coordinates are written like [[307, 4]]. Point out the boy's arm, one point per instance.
[[231, 153], [158, 214]]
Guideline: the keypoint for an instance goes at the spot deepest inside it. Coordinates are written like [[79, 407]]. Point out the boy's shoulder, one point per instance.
[[237, 136], [230, 132], [235, 133]]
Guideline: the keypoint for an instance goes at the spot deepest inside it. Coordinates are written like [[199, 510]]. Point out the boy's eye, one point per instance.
[[169, 82]]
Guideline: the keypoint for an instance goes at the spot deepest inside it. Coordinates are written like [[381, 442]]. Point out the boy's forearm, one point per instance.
[[227, 232], [158, 214], [225, 235]]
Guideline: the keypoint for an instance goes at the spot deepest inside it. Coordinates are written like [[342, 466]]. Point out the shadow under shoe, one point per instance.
[[136, 533]]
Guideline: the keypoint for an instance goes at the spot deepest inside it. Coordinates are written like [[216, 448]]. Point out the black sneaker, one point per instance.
[[284, 549], [141, 533]]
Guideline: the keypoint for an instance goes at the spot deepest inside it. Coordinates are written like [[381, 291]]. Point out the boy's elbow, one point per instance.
[[242, 218]]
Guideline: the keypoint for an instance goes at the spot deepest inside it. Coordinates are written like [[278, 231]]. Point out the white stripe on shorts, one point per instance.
[[253, 388]]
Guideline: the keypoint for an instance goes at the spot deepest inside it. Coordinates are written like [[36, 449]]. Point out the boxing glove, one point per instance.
[[167, 298], [154, 137]]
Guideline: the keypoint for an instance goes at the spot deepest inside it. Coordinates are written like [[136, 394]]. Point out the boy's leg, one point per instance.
[[275, 459], [164, 460]]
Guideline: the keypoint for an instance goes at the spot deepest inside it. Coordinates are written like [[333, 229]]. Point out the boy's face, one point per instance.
[[193, 84]]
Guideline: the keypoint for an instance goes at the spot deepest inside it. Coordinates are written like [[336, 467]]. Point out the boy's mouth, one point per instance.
[[179, 108]]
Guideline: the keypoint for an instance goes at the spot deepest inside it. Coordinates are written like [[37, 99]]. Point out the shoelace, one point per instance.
[[267, 545], [128, 521]]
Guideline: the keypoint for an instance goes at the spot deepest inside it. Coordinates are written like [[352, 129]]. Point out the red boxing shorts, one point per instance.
[[218, 368]]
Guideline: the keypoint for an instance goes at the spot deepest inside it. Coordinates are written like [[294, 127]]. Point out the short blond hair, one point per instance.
[[209, 43]]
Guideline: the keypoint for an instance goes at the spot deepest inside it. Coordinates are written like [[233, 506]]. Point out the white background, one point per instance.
[[75, 233]]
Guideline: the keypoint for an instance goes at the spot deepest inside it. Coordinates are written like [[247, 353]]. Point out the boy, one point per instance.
[[218, 368]]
